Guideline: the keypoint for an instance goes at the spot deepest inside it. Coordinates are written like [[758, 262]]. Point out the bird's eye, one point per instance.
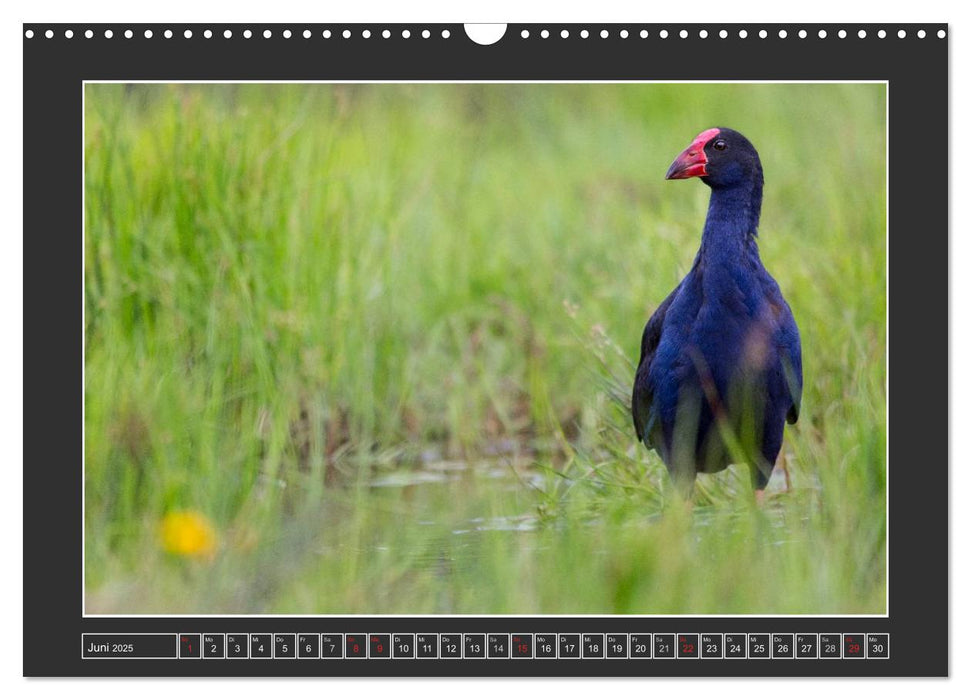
[[720, 145]]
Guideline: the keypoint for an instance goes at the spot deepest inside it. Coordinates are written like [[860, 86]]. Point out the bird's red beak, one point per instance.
[[692, 161]]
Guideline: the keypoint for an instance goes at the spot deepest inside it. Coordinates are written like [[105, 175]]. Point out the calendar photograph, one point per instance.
[[485, 348]]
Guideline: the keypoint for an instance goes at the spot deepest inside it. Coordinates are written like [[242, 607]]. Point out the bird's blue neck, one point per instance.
[[732, 224]]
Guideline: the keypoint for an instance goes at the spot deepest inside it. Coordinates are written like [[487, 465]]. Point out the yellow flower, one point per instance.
[[188, 534]]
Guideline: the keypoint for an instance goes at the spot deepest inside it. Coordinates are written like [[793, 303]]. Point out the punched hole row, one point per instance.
[[724, 34], [445, 34], [246, 34]]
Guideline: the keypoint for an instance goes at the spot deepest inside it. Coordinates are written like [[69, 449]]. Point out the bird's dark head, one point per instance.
[[720, 157]]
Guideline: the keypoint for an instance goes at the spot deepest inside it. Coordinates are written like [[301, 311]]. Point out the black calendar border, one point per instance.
[[917, 73]]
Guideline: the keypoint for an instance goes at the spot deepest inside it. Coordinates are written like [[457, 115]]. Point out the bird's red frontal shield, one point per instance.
[[692, 161]]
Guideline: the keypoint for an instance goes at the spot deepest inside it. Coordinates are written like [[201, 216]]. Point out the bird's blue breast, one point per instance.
[[718, 335]]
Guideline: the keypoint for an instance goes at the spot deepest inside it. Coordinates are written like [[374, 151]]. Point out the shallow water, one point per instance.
[[458, 500], [481, 483]]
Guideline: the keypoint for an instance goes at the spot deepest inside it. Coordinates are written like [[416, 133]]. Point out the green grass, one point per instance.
[[295, 291]]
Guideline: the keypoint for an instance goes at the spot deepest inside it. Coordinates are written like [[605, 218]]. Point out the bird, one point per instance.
[[720, 370]]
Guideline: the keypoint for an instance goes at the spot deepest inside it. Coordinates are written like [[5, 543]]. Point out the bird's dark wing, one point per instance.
[[791, 356], [787, 345], [643, 397]]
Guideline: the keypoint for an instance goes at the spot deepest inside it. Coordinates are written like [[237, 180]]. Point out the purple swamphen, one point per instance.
[[721, 368]]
